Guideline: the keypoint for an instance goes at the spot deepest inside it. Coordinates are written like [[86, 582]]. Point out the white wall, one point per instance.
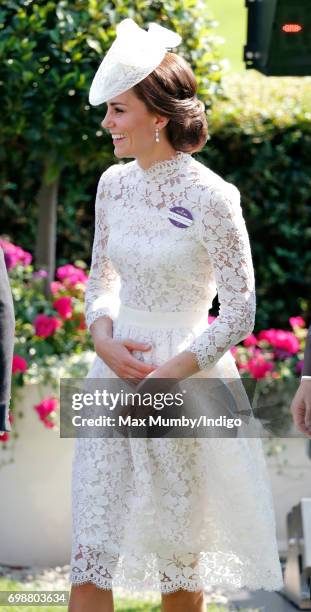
[[35, 509]]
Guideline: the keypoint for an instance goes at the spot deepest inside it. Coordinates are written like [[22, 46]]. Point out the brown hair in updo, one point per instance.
[[170, 91]]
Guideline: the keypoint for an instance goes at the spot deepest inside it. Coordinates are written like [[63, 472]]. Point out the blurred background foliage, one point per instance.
[[50, 51], [261, 141], [51, 140], [259, 134]]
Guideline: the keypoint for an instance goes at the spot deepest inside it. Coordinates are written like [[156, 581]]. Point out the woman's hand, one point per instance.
[[117, 355], [164, 379]]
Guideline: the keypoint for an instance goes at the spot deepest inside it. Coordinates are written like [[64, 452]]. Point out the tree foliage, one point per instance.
[[261, 141], [50, 51]]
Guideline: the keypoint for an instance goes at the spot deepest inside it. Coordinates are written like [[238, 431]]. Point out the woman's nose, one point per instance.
[[105, 122]]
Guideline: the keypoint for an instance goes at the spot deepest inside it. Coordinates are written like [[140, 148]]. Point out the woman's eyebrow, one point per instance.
[[117, 104]]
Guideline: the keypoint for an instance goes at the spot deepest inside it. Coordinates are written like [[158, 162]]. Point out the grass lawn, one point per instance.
[[232, 18]]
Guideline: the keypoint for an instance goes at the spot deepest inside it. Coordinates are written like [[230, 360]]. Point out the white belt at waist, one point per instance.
[[162, 319]]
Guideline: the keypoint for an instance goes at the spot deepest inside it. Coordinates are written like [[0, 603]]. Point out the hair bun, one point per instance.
[[170, 90]]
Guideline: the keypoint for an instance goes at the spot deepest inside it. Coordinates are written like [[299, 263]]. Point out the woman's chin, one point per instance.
[[121, 154], [118, 153]]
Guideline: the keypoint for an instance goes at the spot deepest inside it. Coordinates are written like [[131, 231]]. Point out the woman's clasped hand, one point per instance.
[[117, 355]]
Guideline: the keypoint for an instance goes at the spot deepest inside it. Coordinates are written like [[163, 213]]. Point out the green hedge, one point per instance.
[[260, 140], [49, 132]]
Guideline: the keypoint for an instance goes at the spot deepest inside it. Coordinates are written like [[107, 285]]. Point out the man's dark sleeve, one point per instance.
[[7, 329], [307, 357]]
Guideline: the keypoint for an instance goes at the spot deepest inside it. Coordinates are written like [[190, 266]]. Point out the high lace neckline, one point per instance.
[[159, 168]]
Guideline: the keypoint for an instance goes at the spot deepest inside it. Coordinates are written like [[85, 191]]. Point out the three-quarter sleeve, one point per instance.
[[102, 288], [223, 233]]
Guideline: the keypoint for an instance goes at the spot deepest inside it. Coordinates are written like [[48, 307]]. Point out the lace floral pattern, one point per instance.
[[164, 267], [169, 514], [160, 513], [190, 571]]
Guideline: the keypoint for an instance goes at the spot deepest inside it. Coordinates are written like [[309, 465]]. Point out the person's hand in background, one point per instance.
[[301, 407]]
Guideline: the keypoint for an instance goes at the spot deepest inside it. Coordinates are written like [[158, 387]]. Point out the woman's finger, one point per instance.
[[133, 373], [132, 345], [141, 366]]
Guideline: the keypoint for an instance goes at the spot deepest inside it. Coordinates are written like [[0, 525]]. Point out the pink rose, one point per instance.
[[45, 408], [251, 340], [14, 254], [259, 367], [233, 350], [280, 339], [57, 287], [63, 306], [297, 322], [48, 423], [5, 437], [287, 341], [267, 334], [71, 275], [18, 364], [46, 326]]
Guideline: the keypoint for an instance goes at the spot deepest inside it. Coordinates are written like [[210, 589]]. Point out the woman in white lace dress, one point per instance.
[[175, 515]]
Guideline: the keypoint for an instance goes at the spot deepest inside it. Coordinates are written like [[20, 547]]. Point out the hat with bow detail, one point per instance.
[[133, 55]]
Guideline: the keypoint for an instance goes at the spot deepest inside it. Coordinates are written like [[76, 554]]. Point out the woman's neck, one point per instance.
[[154, 156]]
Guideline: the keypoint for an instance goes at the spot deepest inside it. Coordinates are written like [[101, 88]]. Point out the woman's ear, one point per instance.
[[161, 122]]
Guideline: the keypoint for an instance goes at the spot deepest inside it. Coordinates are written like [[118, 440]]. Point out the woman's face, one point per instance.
[[128, 116]]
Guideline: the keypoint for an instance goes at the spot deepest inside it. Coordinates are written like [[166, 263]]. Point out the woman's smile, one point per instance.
[[118, 137]]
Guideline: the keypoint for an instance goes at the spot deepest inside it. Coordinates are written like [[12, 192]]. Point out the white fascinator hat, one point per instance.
[[133, 55]]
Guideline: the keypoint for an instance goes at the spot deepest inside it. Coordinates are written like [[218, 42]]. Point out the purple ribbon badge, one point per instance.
[[180, 216]]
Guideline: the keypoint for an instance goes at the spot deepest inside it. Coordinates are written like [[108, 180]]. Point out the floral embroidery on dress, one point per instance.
[[172, 513]]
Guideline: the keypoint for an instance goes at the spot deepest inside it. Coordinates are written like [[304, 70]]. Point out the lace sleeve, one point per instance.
[[101, 296], [223, 233]]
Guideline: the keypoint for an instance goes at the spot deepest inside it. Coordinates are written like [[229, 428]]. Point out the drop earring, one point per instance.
[[157, 135]]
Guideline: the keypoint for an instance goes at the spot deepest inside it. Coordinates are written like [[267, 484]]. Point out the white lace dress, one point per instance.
[[164, 513]]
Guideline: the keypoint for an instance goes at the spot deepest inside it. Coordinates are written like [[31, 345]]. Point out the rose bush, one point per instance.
[[274, 358], [50, 335], [273, 353]]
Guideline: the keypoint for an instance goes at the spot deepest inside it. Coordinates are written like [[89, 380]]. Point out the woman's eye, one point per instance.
[[119, 110]]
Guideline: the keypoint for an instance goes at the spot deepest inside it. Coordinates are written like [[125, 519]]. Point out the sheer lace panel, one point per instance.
[[101, 294], [224, 235]]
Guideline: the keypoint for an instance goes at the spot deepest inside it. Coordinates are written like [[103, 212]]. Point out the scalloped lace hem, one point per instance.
[[109, 584]]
